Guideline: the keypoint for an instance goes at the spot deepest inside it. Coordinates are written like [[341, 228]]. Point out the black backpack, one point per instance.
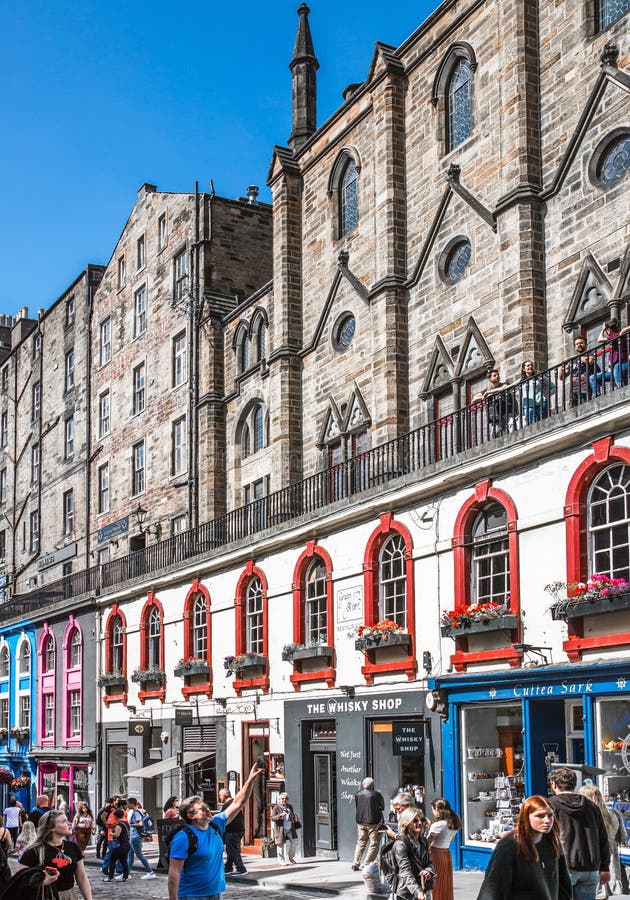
[[388, 864], [193, 843]]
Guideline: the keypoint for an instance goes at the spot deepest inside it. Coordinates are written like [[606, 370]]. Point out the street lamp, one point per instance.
[[140, 515]]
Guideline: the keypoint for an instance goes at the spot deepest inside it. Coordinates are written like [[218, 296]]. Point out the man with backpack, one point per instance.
[[136, 821], [195, 849]]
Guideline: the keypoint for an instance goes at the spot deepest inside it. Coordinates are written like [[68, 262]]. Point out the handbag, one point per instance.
[[296, 822]]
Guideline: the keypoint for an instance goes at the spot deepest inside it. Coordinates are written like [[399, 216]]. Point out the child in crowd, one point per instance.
[[26, 836]]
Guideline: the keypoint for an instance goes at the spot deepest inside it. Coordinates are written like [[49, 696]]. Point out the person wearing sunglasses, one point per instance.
[[414, 870]]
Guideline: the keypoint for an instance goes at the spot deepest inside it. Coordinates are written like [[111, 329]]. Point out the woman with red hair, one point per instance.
[[528, 863]]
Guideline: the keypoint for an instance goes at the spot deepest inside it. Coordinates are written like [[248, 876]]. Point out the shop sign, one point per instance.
[[407, 738], [113, 530], [336, 707], [51, 559], [349, 611], [183, 715]]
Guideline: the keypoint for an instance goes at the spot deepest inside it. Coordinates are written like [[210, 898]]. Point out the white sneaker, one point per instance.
[[147, 876], [120, 877]]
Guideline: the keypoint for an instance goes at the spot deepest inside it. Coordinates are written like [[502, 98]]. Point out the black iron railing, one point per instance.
[[570, 385]]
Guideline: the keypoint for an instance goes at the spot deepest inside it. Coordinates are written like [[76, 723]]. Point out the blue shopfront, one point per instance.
[[17, 716], [502, 732]]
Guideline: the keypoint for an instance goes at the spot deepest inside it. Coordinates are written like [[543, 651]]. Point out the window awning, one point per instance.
[[167, 765]]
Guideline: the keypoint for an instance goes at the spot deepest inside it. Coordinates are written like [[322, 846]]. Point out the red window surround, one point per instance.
[[484, 493], [240, 608], [120, 697], [408, 664], [575, 514], [73, 681], [47, 686], [189, 602], [326, 674], [152, 601]]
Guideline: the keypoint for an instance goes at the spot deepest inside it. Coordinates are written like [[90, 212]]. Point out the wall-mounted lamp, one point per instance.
[[132, 710], [275, 724], [427, 661], [537, 651], [140, 515], [347, 689]]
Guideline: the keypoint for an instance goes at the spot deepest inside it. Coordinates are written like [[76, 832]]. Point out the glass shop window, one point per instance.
[[492, 756], [613, 752]]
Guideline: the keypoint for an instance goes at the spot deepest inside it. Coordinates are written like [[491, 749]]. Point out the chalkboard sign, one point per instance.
[[407, 738], [164, 828]]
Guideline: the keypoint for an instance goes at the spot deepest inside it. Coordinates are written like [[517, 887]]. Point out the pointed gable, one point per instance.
[[590, 297], [357, 415], [332, 427], [440, 372], [474, 356]]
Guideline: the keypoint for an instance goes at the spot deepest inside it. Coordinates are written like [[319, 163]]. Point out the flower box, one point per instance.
[[294, 653], [4, 734], [236, 665], [574, 607], [111, 679], [149, 676], [21, 734], [470, 626], [191, 667], [384, 639]]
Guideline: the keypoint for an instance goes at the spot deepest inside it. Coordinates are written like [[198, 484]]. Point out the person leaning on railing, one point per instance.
[[617, 368], [578, 369]]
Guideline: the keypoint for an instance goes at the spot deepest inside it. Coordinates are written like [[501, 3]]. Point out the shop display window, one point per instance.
[[613, 743], [492, 755], [397, 768]]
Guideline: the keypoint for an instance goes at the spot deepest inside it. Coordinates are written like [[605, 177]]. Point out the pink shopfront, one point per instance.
[[65, 783]]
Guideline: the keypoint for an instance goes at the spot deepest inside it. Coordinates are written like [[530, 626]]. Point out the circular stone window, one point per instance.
[[611, 160], [343, 331], [455, 259]]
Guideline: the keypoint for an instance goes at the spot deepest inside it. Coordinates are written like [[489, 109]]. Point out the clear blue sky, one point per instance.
[[100, 97]]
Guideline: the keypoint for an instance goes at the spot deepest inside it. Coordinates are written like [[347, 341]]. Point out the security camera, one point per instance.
[[164, 737]]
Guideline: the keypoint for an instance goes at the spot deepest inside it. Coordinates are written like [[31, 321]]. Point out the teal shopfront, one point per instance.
[[502, 732]]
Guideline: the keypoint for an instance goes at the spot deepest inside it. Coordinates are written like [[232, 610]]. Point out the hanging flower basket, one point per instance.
[[22, 781], [6, 776], [21, 734], [600, 594], [4, 734]]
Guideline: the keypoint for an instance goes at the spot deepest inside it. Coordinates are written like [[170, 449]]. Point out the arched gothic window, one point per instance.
[[153, 639], [25, 659], [459, 115], [609, 522], [260, 338], [4, 662], [200, 628], [393, 581], [254, 617], [49, 654], [246, 444], [490, 569], [259, 429], [610, 10], [316, 604], [117, 639], [243, 352], [348, 199]]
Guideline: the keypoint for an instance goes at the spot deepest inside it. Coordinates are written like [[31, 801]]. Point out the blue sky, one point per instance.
[[101, 97]]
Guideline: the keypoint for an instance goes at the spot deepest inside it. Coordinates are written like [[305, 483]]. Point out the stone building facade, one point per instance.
[[465, 208]]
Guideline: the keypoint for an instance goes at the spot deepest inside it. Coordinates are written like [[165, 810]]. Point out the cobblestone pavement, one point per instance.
[[155, 889]]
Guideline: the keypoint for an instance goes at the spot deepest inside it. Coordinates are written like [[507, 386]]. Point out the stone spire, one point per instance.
[[303, 67]]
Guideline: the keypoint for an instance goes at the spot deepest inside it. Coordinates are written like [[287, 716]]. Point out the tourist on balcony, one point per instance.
[[529, 862], [617, 368], [369, 805], [444, 826], [535, 393], [578, 369], [616, 829], [499, 405], [285, 825]]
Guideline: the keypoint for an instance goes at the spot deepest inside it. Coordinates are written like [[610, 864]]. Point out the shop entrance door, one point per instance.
[[325, 801], [548, 741], [257, 746]]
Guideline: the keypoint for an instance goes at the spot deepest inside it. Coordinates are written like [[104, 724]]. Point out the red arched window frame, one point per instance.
[[388, 526], [251, 571], [72, 681], [121, 695], [204, 687], [484, 494], [151, 603], [47, 687], [327, 674], [576, 518]]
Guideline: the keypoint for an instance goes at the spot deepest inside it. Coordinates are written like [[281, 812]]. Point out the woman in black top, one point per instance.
[[53, 849], [414, 871], [120, 847], [528, 863]]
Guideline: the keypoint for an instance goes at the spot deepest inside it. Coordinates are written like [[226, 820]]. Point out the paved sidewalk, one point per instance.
[[314, 877]]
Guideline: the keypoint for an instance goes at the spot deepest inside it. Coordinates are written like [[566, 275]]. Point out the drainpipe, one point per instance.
[[193, 369]]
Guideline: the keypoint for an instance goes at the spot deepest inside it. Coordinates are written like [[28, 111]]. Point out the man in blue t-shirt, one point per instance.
[[201, 875]]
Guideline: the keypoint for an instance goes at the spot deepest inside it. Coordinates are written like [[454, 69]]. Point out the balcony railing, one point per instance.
[[570, 385]]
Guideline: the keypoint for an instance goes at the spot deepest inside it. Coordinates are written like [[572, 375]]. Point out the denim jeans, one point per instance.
[[203, 897], [584, 884], [135, 849]]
